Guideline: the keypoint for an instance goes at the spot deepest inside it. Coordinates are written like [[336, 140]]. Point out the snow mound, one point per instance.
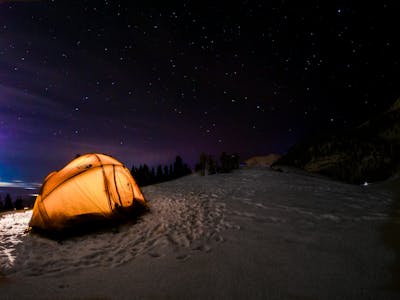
[[12, 231]]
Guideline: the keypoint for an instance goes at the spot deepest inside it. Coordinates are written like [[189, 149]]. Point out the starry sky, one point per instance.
[[146, 80]]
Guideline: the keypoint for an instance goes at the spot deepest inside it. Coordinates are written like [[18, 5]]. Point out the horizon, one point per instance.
[[21, 181]]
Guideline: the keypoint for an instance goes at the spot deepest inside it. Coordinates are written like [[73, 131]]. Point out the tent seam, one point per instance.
[[105, 181], [116, 187]]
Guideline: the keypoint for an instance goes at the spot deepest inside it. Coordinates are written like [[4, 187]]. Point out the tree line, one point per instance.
[[144, 175], [208, 165], [8, 204]]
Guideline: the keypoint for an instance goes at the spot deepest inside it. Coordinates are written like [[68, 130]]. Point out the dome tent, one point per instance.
[[92, 186]]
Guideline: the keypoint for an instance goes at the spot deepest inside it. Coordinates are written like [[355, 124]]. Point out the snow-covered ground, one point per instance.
[[254, 233]]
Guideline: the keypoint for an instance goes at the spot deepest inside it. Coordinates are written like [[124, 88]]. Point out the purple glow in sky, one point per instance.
[[145, 83]]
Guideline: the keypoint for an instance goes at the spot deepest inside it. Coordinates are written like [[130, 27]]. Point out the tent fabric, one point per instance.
[[90, 185]]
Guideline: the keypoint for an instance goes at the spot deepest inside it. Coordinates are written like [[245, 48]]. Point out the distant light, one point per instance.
[[365, 184]]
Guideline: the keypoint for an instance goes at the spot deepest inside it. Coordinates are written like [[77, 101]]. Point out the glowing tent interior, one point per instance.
[[90, 186]]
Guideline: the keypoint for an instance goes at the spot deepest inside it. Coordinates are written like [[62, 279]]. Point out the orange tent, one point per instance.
[[92, 185]]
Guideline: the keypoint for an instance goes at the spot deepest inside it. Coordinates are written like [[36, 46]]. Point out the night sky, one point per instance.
[[146, 80]]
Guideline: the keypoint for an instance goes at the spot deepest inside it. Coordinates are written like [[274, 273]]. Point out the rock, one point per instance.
[[265, 161]]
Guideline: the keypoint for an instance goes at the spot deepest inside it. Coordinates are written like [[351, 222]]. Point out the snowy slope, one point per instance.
[[253, 233]]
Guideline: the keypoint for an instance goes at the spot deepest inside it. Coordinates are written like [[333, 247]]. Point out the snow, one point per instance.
[[12, 228], [254, 233]]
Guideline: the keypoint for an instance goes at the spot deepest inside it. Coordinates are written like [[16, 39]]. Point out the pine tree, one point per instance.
[[19, 204], [225, 165], [203, 164], [8, 203], [159, 174], [152, 178], [186, 170], [133, 170], [166, 173], [212, 166], [146, 175], [178, 167]]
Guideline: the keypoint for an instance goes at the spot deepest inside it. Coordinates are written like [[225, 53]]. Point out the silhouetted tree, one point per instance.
[[166, 173], [18, 204], [145, 175], [235, 161], [225, 163], [1, 205], [229, 162], [178, 167], [186, 170], [212, 165], [152, 178], [208, 165], [133, 170], [202, 165], [8, 203], [159, 174]]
